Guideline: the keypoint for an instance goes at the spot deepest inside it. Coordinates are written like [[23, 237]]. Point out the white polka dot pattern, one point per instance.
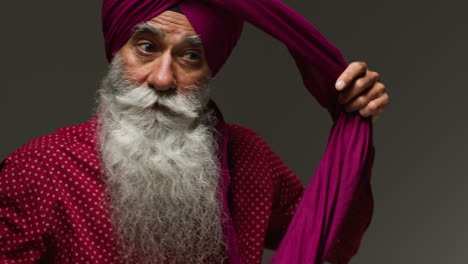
[[264, 193], [53, 205]]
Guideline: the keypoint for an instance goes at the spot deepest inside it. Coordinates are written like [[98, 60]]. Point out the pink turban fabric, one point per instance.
[[332, 203], [219, 38]]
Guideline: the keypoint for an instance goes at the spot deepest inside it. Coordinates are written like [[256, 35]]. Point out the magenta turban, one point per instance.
[[336, 207], [218, 30]]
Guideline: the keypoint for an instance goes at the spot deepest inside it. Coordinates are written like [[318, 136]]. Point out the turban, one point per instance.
[[332, 204], [218, 30]]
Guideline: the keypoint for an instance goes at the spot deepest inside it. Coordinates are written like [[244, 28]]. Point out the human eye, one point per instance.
[[146, 47], [192, 55]]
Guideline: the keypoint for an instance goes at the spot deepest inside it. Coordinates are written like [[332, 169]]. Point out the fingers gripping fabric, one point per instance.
[[341, 182], [345, 167]]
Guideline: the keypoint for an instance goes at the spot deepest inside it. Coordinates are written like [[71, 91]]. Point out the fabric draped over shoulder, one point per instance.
[[343, 175]]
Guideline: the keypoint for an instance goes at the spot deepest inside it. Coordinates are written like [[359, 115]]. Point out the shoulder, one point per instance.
[[247, 146], [50, 149], [240, 135]]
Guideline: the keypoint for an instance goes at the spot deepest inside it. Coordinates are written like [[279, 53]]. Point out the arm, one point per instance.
[[263, 193], [288, 191], [25, 217]]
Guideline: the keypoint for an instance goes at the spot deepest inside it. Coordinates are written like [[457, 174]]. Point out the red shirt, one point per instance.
[[54, 209]]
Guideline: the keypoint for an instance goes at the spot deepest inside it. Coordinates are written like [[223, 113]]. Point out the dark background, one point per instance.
[[52, 60]]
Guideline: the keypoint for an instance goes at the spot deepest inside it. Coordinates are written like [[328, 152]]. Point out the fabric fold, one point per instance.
[[341, 185], [330, 195]]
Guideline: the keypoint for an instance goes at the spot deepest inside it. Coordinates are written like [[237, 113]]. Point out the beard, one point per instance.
[[162, 172]]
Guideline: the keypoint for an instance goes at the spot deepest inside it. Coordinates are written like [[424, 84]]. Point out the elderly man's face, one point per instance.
[[165, 53]]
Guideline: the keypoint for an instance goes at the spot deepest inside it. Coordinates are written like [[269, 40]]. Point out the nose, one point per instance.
[[162, 76]]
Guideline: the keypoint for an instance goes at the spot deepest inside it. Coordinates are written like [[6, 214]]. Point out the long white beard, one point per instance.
[[162, 173]]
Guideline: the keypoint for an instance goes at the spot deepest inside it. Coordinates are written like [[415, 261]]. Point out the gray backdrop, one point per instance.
[[52, 59]]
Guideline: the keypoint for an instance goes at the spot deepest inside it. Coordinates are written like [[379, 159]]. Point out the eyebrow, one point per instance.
[[146, 28], [192, 40]]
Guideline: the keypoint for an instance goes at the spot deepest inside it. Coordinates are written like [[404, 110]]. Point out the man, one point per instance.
[[144, 180]]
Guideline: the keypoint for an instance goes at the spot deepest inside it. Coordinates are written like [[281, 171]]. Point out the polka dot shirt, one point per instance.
[[53, 202], [53, 205]]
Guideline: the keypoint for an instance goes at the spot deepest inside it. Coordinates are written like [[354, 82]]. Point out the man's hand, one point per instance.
[[360, 90]]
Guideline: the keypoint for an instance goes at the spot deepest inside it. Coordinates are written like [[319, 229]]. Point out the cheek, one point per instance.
[[132, 70], [135, 74], [195, 77], [184, 81]]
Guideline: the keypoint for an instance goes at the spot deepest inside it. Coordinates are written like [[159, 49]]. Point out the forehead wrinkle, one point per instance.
[[173, 17], [179, 24]]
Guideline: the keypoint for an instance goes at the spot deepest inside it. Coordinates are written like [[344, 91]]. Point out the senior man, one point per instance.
[[145, 180]]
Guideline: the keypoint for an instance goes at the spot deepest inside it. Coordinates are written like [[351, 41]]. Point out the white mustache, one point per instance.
[[143, 97]]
